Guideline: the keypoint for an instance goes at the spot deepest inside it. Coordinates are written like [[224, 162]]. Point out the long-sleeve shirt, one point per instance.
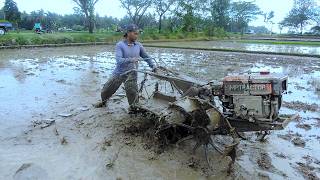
[[126, 53]]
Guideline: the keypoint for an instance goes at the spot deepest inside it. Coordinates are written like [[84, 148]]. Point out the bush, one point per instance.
[[37, 40], [155, 36], [181, 36], [20, 40], [78, 28], [5, 41], [212, 31]]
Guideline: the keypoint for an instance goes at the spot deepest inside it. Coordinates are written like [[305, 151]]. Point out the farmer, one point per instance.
[[128, 52]]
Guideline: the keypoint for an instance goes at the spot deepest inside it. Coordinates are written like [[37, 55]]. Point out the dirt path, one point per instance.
[[49, 130]]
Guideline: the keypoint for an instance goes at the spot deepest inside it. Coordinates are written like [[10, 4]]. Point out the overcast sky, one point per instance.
[[112, 7]]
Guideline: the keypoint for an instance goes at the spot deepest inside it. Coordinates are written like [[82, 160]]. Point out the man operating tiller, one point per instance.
[[128, 52]]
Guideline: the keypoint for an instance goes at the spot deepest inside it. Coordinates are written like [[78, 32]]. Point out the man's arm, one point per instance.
[[146, 57]]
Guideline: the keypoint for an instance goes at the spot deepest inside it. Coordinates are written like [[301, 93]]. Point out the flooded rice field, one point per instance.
[[49, 129], [260, 47]]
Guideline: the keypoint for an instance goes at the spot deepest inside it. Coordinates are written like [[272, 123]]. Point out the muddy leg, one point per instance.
[[206, 155], [110, 87], [131, 88]]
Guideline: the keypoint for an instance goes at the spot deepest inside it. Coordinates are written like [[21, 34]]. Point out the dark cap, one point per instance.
[[132, 28]]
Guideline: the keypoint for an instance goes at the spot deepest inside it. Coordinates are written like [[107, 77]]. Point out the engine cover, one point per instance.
[[254, 97]]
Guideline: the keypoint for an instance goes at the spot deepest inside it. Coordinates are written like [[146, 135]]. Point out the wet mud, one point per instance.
[[49, 129], [235, 45]]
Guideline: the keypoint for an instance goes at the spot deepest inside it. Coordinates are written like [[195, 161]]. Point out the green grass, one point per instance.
[[303, 43], [31, 38]]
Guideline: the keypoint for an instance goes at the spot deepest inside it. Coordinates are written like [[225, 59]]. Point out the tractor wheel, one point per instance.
[[2, 32]]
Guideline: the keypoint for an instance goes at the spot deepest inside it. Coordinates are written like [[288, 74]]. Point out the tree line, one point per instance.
[[168, 16]]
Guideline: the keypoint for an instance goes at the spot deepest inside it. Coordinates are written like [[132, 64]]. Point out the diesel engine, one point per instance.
[[253, 97]]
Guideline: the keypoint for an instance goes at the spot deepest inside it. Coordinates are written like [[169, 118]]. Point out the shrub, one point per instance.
[[20, 40], [78, 28], [215, 31]]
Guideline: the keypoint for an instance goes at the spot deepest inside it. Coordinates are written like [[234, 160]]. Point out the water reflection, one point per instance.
[[278, 48]]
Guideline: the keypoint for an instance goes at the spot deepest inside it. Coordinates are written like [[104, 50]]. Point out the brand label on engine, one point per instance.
[[256, 89]]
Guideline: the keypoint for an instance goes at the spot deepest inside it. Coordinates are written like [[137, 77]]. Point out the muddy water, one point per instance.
[[277, 48], [85, 143]]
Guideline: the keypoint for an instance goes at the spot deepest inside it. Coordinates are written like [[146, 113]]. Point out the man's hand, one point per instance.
[[134, 60], [155, 70]]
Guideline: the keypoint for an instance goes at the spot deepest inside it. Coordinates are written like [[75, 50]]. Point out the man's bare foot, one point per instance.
[[99, 104]]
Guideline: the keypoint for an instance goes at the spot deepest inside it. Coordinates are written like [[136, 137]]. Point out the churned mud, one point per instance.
[[49, 129]]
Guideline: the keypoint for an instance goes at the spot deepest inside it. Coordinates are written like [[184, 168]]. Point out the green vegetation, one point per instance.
[[169, 15], [31, 38], [160, 20], [176, 20], [11, 11], [300, 15], [86, 8]]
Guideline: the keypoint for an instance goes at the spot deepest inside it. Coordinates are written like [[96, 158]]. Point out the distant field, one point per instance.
[[31, 38], [297, 48], [305, 43]]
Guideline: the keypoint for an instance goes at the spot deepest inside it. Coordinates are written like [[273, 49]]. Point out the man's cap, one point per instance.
[[132, 28]]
